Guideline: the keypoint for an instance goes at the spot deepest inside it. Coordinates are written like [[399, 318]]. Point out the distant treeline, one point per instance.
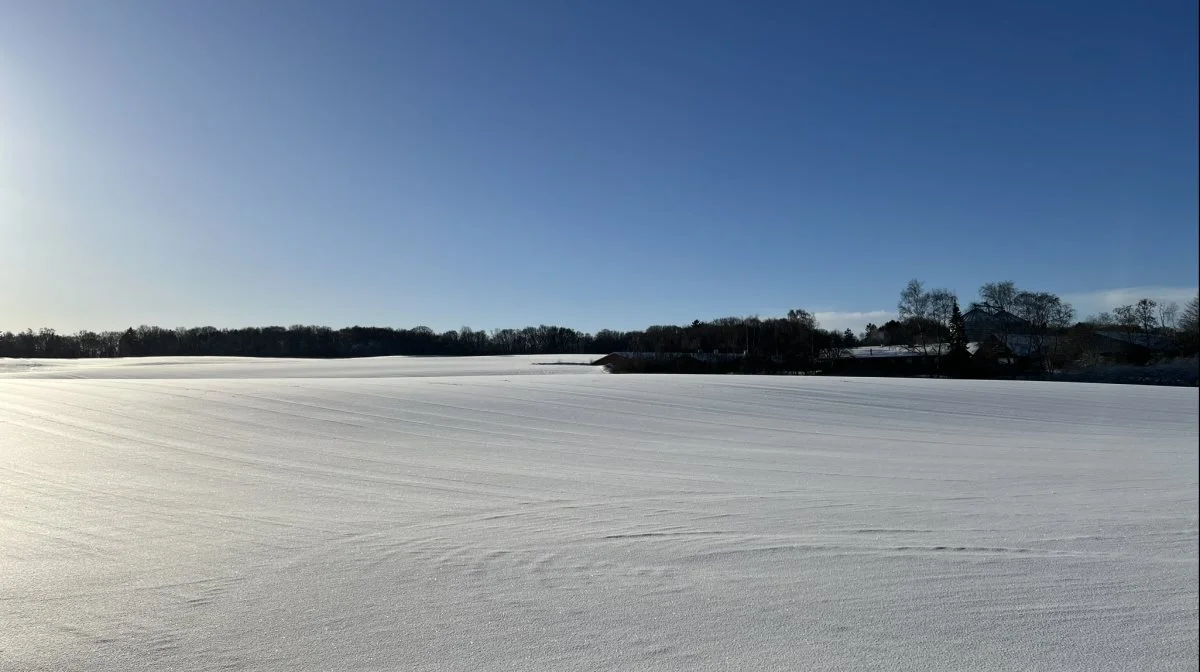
[[797, 333], [925, 317]]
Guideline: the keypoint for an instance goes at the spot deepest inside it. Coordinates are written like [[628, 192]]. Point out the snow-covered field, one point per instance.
[[467, 514]]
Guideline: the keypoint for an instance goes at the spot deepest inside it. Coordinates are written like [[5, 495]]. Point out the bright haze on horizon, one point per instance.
[[593, 165]]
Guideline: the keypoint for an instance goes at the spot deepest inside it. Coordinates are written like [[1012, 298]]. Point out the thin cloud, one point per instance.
[[855, 321], [1090, 303]]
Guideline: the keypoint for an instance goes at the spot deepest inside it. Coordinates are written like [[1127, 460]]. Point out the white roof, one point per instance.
[[880, 351]]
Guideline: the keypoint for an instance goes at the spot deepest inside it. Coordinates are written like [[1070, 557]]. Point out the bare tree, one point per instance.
[[1146, 315], [1189, 327], [1047, 315], [942, 303], [914, 308], [1102, 319], [1167, 314], [803, 318], [1035, 307], [1125, 316], [914, 302], [1062, 315], [997, 300], [1189, 320], [1142, 315], [998, 296], [1061, 318]]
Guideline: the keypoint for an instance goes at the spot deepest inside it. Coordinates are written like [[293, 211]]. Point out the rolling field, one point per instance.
[[506, 514]]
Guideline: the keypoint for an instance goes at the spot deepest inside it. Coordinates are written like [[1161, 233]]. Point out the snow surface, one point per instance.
[[454, 514], [251, 367]]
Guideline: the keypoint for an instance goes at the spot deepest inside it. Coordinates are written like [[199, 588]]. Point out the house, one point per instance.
[[993, 356], [982, 322], [1007, 339], [1129, 346], [889, 360]]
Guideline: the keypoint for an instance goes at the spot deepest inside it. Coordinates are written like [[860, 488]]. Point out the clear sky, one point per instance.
[[590, 164]]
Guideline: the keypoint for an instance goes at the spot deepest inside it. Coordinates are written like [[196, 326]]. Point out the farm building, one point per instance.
[[1129, 346], [983, 323], [890, 360]]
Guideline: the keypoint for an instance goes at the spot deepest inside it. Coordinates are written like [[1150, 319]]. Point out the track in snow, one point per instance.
[[458, 514]]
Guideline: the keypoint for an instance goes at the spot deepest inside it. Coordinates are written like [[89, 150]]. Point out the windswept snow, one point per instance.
[[246, 367], [463, 514]]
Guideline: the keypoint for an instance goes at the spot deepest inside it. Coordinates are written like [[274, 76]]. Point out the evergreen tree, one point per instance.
[[958, 328], [958, 361]]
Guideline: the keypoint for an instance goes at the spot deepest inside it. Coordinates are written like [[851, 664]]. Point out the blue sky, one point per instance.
[[591, 164]]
